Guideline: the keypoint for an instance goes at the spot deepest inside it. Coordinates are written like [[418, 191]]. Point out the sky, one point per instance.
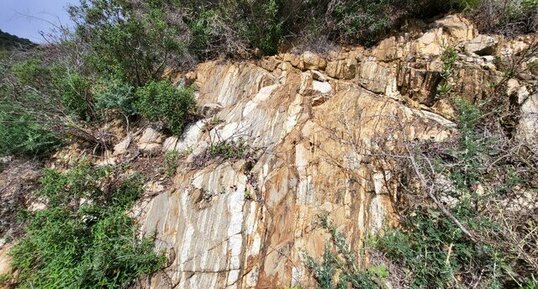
[[26, 18]]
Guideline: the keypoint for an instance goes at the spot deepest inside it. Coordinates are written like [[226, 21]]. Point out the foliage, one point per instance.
[[31, 72], [263, 24], [180, 32], [483, 171], [113, 93], [229, 150], [508, 17], [448, 57], [4, 279], [160, 100], [21, 133], [437, 254], [171, 159], [339, 267], [361, 20], [74, 89], [84, 239], [134, 42]]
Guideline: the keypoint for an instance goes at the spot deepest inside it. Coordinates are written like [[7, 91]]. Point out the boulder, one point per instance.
[[122, 146], [481, 45], [323, 87], [313, 61], [150, 136]]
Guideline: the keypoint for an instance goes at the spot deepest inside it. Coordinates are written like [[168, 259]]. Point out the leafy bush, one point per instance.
[[160, 100], [339, 267], [74, 90], [508, 17], [113, 93], [132, 41], [31, 72], [263, 24], [21, 133], [436, 253], [84, 239]]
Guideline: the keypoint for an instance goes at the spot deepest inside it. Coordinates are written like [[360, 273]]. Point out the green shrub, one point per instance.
[[5, 279], [508, 17], [21, 133], [433, 250], [135, 42], [339, 267], [263, 23], [229, 150], [31, 72], [160, 100], [84, 239], [74, 90], [171, 159], [113, 93]]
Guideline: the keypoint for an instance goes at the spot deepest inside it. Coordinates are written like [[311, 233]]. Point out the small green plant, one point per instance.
[[5, 279], [21, 133], [84, 238], [171, 159], [229, 150], [444, 88], [339, 267], [448, 57], [75, 93], [247, 195], [434, 250], [160, 100]]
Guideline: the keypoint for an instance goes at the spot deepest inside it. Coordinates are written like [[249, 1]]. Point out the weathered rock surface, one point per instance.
[[481, 45], [312, 120]]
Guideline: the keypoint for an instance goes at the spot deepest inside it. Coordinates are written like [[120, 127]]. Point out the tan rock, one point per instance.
[[528, 122], [270, 63], [342, 69], [481, 45], [293, 59], [170, 143], [5, 259], [377, 76], [457, 27], [387, 50], [313, 61], [122, 146], [431, 43], [150, 136], [190, 78]]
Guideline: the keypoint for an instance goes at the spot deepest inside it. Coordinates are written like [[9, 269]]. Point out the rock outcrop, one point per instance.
[[312, 122], [313, 119]]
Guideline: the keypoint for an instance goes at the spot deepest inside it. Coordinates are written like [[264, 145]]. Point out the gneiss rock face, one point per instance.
[[311, 121]]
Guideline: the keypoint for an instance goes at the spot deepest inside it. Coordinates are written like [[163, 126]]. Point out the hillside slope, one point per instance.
[[284, 140]]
